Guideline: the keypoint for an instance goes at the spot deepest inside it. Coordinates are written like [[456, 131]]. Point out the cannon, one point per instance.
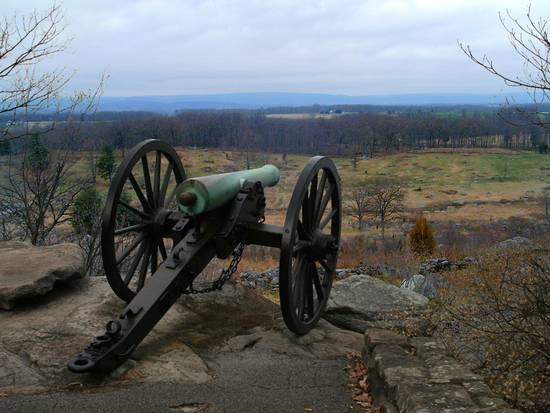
[[160, 229]]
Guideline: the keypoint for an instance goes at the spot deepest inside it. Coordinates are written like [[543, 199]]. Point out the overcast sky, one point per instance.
[[160, 47]]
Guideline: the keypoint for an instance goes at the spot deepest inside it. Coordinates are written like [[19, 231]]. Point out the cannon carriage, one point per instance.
[[160, 229]]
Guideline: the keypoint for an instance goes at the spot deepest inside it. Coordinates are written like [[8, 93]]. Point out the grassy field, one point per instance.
[[446, 186], [459, 186]]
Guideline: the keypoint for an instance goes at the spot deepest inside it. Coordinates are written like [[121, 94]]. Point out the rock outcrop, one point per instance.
[[39, 338], [420, 284], [360, 302], [27, 271], [516, 243]]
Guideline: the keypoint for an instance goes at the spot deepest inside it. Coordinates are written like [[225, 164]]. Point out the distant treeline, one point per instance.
[[350, 133]]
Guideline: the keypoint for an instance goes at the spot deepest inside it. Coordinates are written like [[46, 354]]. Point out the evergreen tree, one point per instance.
[[86, 210], [106, 163], [38, 154], [5, 148]]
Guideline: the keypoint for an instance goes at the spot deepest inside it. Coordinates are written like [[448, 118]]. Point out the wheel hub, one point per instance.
[[321, 244], [160, 221]]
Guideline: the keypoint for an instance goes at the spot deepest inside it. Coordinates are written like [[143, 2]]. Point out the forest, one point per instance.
[[365, 131]]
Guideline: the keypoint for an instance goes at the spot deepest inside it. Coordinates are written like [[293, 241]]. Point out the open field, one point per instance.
[[447, 185], [297, 116]]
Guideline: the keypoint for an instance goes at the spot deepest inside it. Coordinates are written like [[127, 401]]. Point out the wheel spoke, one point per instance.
[[326, 219], [143, 269], [327, 269], [130, 248], [133, 210], [156, 186], [308, 290], [301, 300], [139, 193], [317, 283], [320, 190], [165, 182], [162, 249], [306, 214], [154, 257], [131, 228], [135, 264], [297, 279], [295, 270], [302, 234], [147, 179], [171, 197], [311, 201], [323, 204]]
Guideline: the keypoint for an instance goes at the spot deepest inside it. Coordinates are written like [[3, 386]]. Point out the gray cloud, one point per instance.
[[349, 47]]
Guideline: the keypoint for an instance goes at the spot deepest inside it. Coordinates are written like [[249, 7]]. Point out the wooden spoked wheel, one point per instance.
[[309, 246], [136, 232]]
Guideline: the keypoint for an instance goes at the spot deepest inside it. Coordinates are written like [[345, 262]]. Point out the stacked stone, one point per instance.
[[265, 280], [417, 376]]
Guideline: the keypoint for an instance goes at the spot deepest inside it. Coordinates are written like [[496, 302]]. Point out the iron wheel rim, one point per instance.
[[151, 203], [300, 263]]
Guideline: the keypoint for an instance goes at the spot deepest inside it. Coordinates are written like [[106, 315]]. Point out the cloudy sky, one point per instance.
[[368, 47]]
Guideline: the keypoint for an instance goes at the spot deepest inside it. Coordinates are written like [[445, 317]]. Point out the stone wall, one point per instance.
[[415, 375]]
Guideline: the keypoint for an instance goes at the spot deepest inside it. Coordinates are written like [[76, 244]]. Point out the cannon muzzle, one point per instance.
[[202, 194]]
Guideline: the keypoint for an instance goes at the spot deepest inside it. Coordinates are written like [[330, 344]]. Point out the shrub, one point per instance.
[[86, 223], [496, 315], [86, 210], [421, 237]]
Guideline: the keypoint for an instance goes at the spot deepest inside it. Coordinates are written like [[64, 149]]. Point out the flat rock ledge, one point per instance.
[[361, 302], [28, 271], [415, 375], [190, 345]]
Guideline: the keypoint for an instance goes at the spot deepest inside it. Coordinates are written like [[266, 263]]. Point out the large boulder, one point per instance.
[[361, 302], [28, 271], [420, 284], [426, 284]]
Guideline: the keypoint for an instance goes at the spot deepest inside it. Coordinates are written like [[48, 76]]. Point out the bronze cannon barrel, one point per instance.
[[205, 193]]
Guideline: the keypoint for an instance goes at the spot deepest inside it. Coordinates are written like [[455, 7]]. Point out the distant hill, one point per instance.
[[169, 104]]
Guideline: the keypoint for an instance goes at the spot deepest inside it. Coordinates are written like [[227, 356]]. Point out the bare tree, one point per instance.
[[357, 205], [39, 187], [39, 191], [531, 42], [26, 41], [385, 202], [246, 144]]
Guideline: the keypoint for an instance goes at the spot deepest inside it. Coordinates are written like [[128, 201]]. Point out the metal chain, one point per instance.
[[225, 275]]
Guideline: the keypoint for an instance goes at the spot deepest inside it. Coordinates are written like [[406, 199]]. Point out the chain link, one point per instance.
[[225, 275]]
